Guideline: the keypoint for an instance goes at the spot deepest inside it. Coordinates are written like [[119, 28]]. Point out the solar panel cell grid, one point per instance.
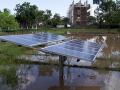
[[76, 42], [75, 48], [90, 51], [32, 39]]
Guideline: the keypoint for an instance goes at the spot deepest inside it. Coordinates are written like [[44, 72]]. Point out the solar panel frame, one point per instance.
[[71, 52]]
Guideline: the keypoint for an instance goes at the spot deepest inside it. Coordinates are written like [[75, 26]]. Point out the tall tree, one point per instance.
[[56, 20], [26, 14], [39, 18], [7, 21], [108, 13], [47, 17]]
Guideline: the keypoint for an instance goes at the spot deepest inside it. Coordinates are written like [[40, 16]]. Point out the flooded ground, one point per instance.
[[50, 77]]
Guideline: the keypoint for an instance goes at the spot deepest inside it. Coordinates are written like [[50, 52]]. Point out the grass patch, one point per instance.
[[10, 52], [62, 31]]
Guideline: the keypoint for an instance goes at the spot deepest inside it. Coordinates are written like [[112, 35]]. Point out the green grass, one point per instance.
[[62, 31], [10, 52]]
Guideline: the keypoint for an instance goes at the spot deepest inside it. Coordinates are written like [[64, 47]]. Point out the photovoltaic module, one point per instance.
[[31, 40], [75, 48]]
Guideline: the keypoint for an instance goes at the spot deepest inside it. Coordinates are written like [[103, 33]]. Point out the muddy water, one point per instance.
[[110, 54], [44, 77]]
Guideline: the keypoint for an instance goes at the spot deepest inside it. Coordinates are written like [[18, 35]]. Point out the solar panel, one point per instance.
[[75, 48], [31, 40]]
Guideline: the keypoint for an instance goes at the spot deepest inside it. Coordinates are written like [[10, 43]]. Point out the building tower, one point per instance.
[[78, 14]]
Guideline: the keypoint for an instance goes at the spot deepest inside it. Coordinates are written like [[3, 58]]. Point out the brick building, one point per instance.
[[78, 14]]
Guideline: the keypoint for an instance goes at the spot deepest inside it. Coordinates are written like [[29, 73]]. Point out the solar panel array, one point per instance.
[[75, 48], [31, 40]]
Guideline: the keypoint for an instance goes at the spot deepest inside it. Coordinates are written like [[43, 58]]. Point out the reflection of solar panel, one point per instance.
[[75, 48], [30, 40]]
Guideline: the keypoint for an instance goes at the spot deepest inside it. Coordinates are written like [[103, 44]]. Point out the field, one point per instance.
[[62, 31], [9, 52]]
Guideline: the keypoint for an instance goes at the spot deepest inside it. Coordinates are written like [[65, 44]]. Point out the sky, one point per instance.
[[56, 6]]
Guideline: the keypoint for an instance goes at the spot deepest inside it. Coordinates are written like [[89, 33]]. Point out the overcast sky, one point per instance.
[[56, 6]]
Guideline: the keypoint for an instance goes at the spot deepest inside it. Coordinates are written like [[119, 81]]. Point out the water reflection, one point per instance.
[[35, 77], [44, 77]]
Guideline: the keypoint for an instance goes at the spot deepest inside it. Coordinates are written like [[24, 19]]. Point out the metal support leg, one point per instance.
[[61, 70]]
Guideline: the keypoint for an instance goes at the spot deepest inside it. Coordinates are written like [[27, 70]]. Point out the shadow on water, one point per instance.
[[48, 77]]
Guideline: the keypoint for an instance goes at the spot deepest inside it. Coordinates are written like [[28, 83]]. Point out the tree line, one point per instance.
[[29, 16]]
